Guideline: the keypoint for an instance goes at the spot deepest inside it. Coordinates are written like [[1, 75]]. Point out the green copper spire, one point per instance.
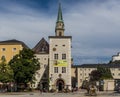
[[59, 18], [59, 29]]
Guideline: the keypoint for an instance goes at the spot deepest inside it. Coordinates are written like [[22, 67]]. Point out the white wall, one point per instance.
[[62, 45]]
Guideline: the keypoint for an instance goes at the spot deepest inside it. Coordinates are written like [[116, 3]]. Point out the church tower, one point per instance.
[[59, 57], [59, 30]]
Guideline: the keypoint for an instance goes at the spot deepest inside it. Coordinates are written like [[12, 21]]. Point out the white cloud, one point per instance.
[[25, 24], [94, 26]]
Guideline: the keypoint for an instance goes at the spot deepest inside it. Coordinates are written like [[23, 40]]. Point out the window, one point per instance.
[[63, 45], [118, 74], [63, 56], [60, 33], [55, 69], [113, 74], [80, 80], [113, 69], [3, 49], [60, 24], [45, 65], [3, 57], [63, 69], [14, 49], [55, 56]]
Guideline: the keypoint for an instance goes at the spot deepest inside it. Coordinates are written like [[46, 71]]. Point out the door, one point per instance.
[[60, 85]]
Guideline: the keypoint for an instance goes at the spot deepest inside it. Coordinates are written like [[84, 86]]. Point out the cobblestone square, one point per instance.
[[75, 94]]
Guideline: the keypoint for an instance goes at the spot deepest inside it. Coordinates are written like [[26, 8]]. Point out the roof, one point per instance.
[[59, 18], [96, 65], [60, 37], [118, 54], [13, 42], [41, 47]]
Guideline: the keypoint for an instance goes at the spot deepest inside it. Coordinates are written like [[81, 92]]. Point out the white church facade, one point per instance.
[[55, 59]]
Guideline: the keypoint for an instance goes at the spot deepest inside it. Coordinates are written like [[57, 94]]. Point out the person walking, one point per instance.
[[41, 88]]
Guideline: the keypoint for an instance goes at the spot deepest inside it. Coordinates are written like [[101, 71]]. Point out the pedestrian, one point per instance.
[[40, 89]]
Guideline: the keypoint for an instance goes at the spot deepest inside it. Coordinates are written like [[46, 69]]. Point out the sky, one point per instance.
[[93, 24]]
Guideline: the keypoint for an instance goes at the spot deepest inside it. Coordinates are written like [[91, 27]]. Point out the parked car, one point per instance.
[[117, 88]]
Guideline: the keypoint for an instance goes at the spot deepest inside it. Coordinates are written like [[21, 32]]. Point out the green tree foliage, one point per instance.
[[95, 75], [24, 66], [105, 72], [6, 73], [100, 74]]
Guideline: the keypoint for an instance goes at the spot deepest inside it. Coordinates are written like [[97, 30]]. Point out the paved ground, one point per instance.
[[75, 94]]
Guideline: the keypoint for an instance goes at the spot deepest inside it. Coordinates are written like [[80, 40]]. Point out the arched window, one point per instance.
[[60, 33]]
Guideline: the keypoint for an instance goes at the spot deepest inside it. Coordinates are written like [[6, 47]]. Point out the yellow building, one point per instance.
[[10, 48]]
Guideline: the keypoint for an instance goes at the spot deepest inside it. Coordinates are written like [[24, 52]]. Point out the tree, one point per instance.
[[6, 73], [24, 66], [100, 74], [105, 71], [95, 75]]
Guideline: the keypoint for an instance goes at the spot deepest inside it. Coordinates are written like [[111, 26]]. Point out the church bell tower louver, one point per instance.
[[59, 57]]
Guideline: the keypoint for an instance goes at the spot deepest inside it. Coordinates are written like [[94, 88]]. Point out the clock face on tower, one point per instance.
[[54, 49]]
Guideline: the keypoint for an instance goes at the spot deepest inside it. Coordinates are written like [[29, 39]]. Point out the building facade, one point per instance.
[[10, 48], [42, 76], [83, 71]]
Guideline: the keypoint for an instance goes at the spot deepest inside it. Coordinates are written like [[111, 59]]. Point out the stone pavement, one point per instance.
[[74, 94]]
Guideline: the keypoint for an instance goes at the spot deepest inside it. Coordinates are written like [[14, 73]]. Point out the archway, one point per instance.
[[60, 84]]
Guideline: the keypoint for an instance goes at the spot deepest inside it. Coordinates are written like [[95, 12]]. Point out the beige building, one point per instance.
[[74, 77], [83, 72]]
